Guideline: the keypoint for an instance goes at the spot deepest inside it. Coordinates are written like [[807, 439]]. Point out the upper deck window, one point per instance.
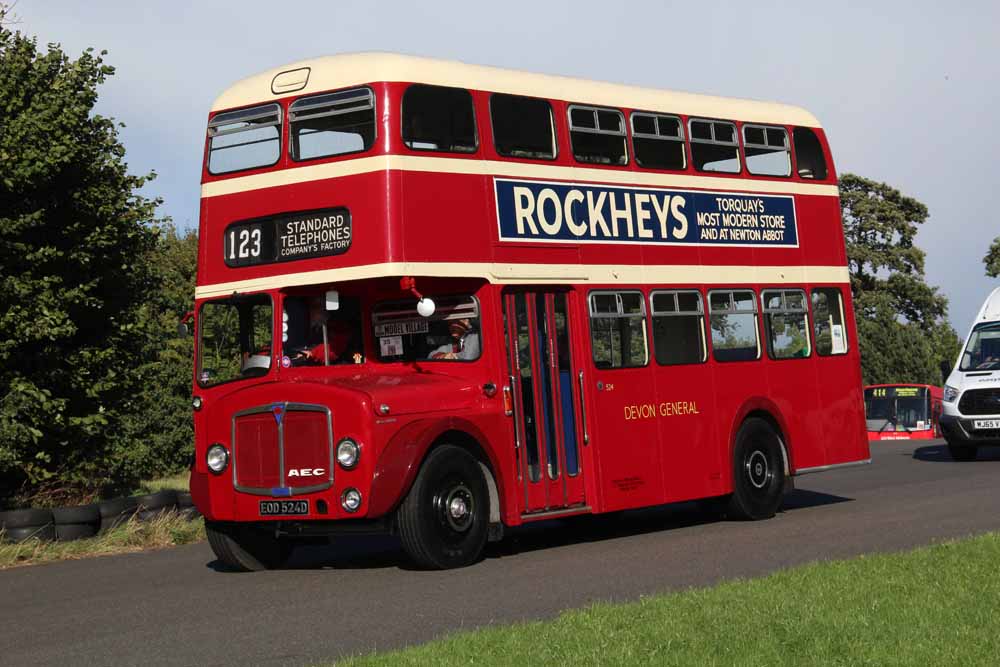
[[436, 118], [332, 124], [658, 141], [809, 158], [522, 127], [767, 150], [714, 146], [244, 139], [597, 135]]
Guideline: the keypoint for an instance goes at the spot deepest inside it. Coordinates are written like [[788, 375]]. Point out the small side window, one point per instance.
[[618, 329], [244, 139], [809, 160], [522, 127], [767, 151], [597, 135], [678, 328], [714, 146], [786, 323], [829, 327], [436, 118], [733, 318], [658, 141], [332, 124]]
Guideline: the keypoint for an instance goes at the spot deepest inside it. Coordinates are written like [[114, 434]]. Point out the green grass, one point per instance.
[[178, 482], [168, 529], [938, 605]]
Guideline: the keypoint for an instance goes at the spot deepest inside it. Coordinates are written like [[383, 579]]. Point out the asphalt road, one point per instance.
[[176, 607]]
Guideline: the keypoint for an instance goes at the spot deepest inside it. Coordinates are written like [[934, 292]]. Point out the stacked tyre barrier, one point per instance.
[[65, 524]]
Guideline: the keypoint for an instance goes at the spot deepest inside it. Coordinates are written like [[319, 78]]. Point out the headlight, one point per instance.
[[217, 458], [950, 394], [196, 402], [348, 453], [351, 500]]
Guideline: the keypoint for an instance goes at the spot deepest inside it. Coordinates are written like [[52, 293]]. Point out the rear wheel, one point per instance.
[[247, 548], [444, 519], [758, 471], [963, 452]]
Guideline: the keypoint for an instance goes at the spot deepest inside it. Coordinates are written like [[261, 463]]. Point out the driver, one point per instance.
[[339, 335], [464, 343]]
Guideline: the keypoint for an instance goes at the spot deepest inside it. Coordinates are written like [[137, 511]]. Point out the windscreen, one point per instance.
[[982, 352], [234, 339], [897, 409], [452, 333]]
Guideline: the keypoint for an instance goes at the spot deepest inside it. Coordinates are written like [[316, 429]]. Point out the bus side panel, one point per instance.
[[842, 398], [690, 458], [792, 387]]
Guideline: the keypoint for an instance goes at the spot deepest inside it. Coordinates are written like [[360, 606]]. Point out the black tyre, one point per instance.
[[153, 504], [21, 534], [184, 500], [246, 547], [443, 521], [116, 511], [64, 516], [963, 452], [758, 472], [28, 518], [75, 531]]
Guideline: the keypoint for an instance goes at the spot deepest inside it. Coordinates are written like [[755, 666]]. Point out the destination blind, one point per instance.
[[595, 213], [287, 237]]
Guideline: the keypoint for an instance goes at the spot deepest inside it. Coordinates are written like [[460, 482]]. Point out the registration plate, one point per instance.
[[986, 423], [284, 507]]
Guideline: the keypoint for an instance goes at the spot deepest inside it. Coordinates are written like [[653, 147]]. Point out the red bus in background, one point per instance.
[[903, 411], [438, 300]]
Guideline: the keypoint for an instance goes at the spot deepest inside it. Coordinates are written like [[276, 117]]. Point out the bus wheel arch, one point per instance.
[[758, 467], [443, 521], [763, 408]]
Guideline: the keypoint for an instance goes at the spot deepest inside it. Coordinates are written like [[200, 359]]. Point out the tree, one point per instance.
[[74, 235], [902, 330], [992, 259], [158, 423]]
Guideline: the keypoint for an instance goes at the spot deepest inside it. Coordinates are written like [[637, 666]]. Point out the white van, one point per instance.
[[971, 415]]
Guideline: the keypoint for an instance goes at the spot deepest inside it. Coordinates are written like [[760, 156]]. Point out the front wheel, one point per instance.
[[247, 548], [444, 519], [758, 471]]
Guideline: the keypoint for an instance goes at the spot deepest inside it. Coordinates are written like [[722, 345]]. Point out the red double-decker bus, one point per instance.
[[903, 411], [439, 300]]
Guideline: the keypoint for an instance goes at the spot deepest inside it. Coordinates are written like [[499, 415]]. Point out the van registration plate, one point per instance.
[[986, 423]]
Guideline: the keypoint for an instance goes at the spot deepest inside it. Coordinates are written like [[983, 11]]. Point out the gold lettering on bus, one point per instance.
[[663, 409]]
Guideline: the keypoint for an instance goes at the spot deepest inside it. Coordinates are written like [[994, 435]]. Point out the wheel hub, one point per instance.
[[458, 508], [757, 469]]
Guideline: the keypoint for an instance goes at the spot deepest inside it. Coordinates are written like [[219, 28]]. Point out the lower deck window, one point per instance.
[[786, 322], [829, 329], [452, 333], [678, 328], [734, 325], [618, 329]]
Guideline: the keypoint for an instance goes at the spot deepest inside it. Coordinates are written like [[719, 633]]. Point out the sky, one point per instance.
[[907, 92]]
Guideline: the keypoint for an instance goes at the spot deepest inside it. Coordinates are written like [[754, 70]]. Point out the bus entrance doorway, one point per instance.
[[548, 416]]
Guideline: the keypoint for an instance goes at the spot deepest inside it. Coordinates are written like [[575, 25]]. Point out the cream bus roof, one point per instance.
[[332, 72]]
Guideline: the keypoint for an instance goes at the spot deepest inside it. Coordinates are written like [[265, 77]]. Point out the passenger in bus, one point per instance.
[[464, 343]]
